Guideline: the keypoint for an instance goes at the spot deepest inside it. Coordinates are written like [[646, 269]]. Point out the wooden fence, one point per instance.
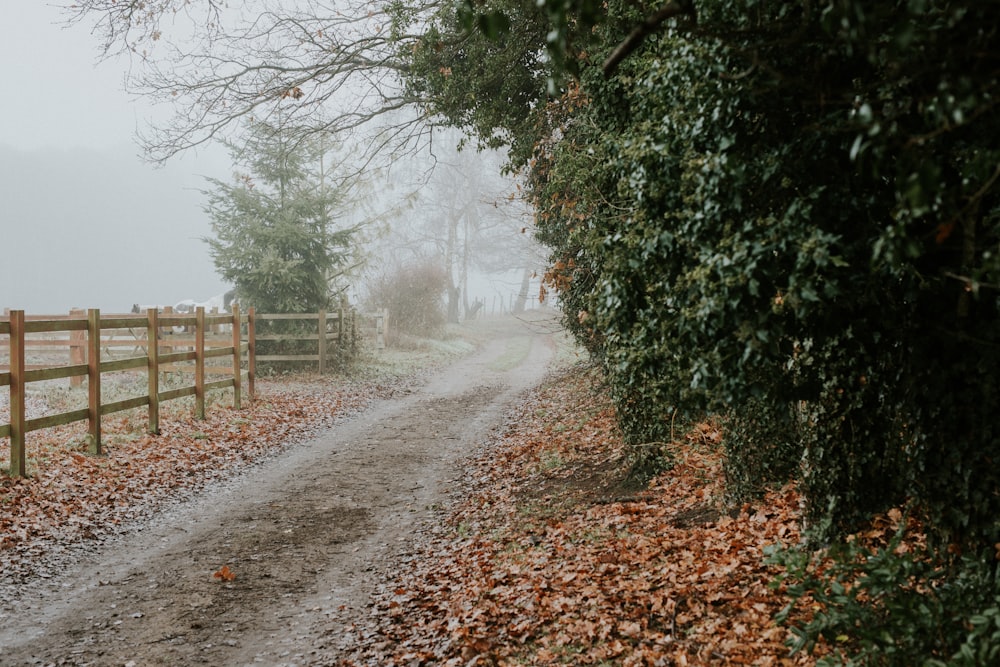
[[106, 344], [330, 331], [202, 339], [330, 336]]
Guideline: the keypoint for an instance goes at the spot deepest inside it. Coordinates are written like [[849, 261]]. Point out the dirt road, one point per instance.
[[307, 537]]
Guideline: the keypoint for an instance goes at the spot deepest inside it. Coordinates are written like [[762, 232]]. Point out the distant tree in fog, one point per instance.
[[465, 218]]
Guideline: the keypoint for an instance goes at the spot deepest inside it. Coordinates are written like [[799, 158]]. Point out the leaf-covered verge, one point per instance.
[[552, 557]]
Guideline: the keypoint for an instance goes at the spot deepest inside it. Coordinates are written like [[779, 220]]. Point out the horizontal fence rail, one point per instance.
[[329, 334], [157, 343], [155, 339], [328, 331]]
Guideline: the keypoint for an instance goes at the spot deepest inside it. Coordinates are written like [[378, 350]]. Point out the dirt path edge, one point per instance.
[[305, 538]]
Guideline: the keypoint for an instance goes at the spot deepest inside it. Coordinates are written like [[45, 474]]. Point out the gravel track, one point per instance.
[[309, 535]]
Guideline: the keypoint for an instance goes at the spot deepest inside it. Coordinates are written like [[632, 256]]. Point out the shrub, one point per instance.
[[762, 449], [894, 606], [413, 296]]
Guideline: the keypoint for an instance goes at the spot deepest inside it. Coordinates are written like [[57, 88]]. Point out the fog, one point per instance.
[[83, 221], [92, 228]]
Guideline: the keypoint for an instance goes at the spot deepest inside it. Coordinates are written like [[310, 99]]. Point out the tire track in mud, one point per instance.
[[306, 537]]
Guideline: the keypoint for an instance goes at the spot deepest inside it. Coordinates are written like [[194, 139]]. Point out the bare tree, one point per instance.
[[309, 65], [465, 217]]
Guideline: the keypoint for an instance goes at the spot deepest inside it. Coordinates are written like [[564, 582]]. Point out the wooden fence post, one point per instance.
[[199, 363], [251, 351], [321, 329], [17, 459], [168, 311], [153, 368], [385, 328], [237, 375], [94, 379], [77, 348]]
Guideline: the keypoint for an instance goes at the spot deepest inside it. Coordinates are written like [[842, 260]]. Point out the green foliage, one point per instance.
[[788, 208], [569, 25], [490, 86], [762, 449], [890, 607], [275, 238], [787, 214]]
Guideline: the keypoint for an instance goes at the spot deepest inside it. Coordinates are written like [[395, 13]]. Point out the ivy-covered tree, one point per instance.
[[788, 214], [276, 238]]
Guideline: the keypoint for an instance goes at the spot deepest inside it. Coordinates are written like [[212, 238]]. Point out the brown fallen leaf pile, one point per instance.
[[552, 559]]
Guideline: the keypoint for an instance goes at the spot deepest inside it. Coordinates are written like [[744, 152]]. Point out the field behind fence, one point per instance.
[[193, 354]]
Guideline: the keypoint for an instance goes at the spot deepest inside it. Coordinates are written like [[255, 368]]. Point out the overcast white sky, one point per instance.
[[55, 94], [83, 222]]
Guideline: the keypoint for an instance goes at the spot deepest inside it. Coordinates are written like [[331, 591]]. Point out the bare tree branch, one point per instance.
[[127, 25], [313, 65]]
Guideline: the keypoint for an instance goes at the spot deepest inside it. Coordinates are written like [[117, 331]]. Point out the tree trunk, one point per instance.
[[451, 252], [522, 295]]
